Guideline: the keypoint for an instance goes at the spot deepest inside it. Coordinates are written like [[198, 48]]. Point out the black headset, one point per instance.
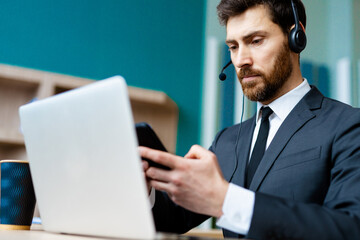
[[297, 36], [297, 39]]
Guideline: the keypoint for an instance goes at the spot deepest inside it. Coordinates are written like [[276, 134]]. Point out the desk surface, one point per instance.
[[36, 233]]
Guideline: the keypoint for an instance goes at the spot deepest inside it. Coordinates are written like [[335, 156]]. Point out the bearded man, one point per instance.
[[290, 172]]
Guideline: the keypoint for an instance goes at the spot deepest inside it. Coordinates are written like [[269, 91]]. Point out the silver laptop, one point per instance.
[[85, 165]]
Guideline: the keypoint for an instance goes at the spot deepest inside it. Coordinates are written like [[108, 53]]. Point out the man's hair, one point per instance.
[[280, 10]]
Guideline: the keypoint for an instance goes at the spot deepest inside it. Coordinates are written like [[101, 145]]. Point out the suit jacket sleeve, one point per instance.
[[338, 217]]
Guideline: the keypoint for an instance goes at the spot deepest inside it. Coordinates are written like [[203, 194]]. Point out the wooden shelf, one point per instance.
[[19, 86]]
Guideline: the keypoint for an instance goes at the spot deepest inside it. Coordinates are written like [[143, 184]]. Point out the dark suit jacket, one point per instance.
[[308, 182]]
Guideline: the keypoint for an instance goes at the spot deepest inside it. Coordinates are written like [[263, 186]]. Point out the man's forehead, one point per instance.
[[255, 19], [256, 11]]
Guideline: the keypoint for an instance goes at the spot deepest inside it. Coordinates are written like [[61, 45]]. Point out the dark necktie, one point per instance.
[[260, 145]]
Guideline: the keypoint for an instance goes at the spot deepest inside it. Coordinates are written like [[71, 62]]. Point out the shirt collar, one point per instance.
[[283, 105]]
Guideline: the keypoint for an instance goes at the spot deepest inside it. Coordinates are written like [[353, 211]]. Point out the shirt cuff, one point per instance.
[[152, 197], [237, 210]]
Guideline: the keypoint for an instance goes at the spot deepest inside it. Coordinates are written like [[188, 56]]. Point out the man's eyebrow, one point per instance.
[[229, 41], [248, 36]]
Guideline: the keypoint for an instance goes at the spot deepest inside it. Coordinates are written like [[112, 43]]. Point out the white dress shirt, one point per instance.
[[239, 202]]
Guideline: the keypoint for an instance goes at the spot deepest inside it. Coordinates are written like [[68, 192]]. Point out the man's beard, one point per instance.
[[271, 84]]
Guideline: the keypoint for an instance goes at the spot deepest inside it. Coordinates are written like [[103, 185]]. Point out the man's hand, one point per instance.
[[194, 182], [145, 165]]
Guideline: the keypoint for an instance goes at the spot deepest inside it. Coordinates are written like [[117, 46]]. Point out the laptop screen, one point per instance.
[[84, 161]]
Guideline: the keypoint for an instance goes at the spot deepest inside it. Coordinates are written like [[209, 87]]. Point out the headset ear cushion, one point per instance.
[[297, 40]]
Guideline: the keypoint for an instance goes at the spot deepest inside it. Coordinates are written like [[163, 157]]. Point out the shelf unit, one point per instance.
[[19, 86]]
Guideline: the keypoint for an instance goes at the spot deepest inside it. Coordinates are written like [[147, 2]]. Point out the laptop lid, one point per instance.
[[84, 161]]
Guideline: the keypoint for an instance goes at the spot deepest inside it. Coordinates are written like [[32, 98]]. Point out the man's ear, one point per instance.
[[297, 38], [301, 25]]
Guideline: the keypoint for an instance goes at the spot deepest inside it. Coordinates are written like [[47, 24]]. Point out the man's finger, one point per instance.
[[196, 152], [158, 174], [161, 186], [164, 158], [145, 165]]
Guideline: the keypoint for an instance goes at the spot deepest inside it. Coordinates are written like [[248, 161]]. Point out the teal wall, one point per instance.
[[356, 28], [317, 31], [356, 51], [155, 44], [334, 33]]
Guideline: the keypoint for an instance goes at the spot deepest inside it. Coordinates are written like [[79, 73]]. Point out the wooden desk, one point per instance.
[[211, 233], [37, 233]]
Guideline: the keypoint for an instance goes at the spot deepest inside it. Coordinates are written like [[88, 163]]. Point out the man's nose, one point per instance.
[[243, 58]]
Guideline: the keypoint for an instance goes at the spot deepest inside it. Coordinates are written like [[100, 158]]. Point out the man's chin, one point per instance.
[[253, 93]]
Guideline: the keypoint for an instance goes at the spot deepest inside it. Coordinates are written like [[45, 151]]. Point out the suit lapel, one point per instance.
[[299, 116], [243, 151]]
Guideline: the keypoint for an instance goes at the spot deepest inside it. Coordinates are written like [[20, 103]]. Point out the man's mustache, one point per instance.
[[247, 72]]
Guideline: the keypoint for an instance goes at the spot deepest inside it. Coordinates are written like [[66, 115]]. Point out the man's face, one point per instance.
[[260, 53]]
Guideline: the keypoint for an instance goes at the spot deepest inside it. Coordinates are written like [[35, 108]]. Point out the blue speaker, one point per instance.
[[17, 195]]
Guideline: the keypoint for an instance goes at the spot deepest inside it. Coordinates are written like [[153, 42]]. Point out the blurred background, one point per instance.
[[174, 46]]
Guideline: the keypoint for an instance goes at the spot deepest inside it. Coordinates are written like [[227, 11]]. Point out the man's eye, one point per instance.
[[257, 41], [232, 48]]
